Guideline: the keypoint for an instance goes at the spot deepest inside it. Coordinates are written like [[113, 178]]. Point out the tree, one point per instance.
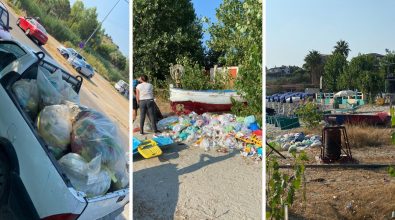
[[163, 31], [314, 64], [238, 35], [349, 78], [333, 68], [342, 48]]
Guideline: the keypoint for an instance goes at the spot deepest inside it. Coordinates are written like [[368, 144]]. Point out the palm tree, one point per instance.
[[342, 48], [313, 63]]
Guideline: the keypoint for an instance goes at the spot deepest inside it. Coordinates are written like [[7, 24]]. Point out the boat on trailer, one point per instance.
[[184, 101]]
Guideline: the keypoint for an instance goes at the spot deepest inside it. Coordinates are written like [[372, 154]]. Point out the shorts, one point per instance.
[[135, 105]]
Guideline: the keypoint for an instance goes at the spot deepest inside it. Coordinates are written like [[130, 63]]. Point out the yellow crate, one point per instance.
[[149, 149]]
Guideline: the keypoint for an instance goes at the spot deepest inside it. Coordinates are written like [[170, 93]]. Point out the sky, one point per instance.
[[206, 8], [296, 27], [117, 23]]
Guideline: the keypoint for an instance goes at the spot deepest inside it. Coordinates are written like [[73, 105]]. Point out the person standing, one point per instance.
[[145, 100], [135, 105]]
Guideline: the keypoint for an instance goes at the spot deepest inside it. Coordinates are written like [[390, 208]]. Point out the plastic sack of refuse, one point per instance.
[[86, 177], [249, 120], [54, 126], [26, 92], [166, 122], [94, 134], [53, 89]]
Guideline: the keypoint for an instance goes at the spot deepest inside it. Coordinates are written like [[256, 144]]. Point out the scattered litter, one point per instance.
[[220, 132]]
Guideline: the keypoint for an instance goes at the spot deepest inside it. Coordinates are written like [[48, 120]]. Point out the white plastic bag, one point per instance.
[[54, 126], [27, 94], [53, 89], [86, 177]]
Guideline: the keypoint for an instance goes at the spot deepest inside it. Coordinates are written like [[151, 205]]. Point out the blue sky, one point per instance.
[[206, 8], [117, 23], [295, 27]]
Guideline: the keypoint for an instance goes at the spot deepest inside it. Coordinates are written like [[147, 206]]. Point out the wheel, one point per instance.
[[18, 21], [27, 32], [66, 56], [78, 69], [4, 177]]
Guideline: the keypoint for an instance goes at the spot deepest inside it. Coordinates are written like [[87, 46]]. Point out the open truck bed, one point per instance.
[[49, 189]]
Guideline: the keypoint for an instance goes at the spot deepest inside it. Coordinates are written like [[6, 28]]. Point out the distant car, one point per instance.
[[83, 67], [122, 87], [4, 23], [33, 29], [69, 52]]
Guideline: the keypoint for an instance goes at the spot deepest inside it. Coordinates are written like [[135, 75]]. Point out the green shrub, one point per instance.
[[309, 114]]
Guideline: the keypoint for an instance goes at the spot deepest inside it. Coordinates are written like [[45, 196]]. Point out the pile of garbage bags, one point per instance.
[[297, 141], [84, 141], [214, 131]]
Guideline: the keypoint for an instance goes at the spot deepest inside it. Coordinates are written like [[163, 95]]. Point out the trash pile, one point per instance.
[[212, 131], [297, 141], [84, 141]]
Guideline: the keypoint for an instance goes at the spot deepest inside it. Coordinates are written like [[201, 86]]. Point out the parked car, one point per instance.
[[83, 67], [33, 29], [122, 87], [26, 159], [68, 52], [4, 23]]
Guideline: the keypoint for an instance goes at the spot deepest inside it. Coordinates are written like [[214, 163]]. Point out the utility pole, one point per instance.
[[97, 28]]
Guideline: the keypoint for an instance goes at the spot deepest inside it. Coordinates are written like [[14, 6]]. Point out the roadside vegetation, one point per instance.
[[73, 25]]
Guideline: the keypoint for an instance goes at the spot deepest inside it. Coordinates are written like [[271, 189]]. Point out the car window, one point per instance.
[[9, 53], [4, 18], [79, 56], [13, 49], [32, 21]]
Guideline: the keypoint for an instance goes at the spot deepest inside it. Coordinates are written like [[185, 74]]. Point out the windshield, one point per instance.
[[3, 18]]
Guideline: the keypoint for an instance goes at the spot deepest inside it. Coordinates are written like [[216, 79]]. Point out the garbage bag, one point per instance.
[[53, 89], [166, 122], [26, 92], [54, 126], [86, 177], [93, 134]]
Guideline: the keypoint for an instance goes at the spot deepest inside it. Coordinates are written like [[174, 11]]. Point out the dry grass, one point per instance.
[[368, 136]]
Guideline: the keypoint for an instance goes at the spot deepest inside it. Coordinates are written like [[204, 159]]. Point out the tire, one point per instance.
[[4, 177], [78, 69], [18, 21], [66, 56], [27, 32]]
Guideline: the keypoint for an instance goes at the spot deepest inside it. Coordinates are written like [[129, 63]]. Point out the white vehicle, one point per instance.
[[122, 87], [25, 157]]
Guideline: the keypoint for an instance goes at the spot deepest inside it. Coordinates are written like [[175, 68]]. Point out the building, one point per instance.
[[279, 71]]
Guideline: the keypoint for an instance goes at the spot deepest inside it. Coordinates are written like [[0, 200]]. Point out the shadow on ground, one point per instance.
[[156, 189]]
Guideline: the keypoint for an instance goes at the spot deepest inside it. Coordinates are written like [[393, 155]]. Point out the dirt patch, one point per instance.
[[347, 193]]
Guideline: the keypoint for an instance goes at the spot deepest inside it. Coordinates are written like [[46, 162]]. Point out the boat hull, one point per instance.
[[358, 119], [187, 101]]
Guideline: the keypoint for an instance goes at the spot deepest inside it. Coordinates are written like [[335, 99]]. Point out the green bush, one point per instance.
[[309, 114]]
